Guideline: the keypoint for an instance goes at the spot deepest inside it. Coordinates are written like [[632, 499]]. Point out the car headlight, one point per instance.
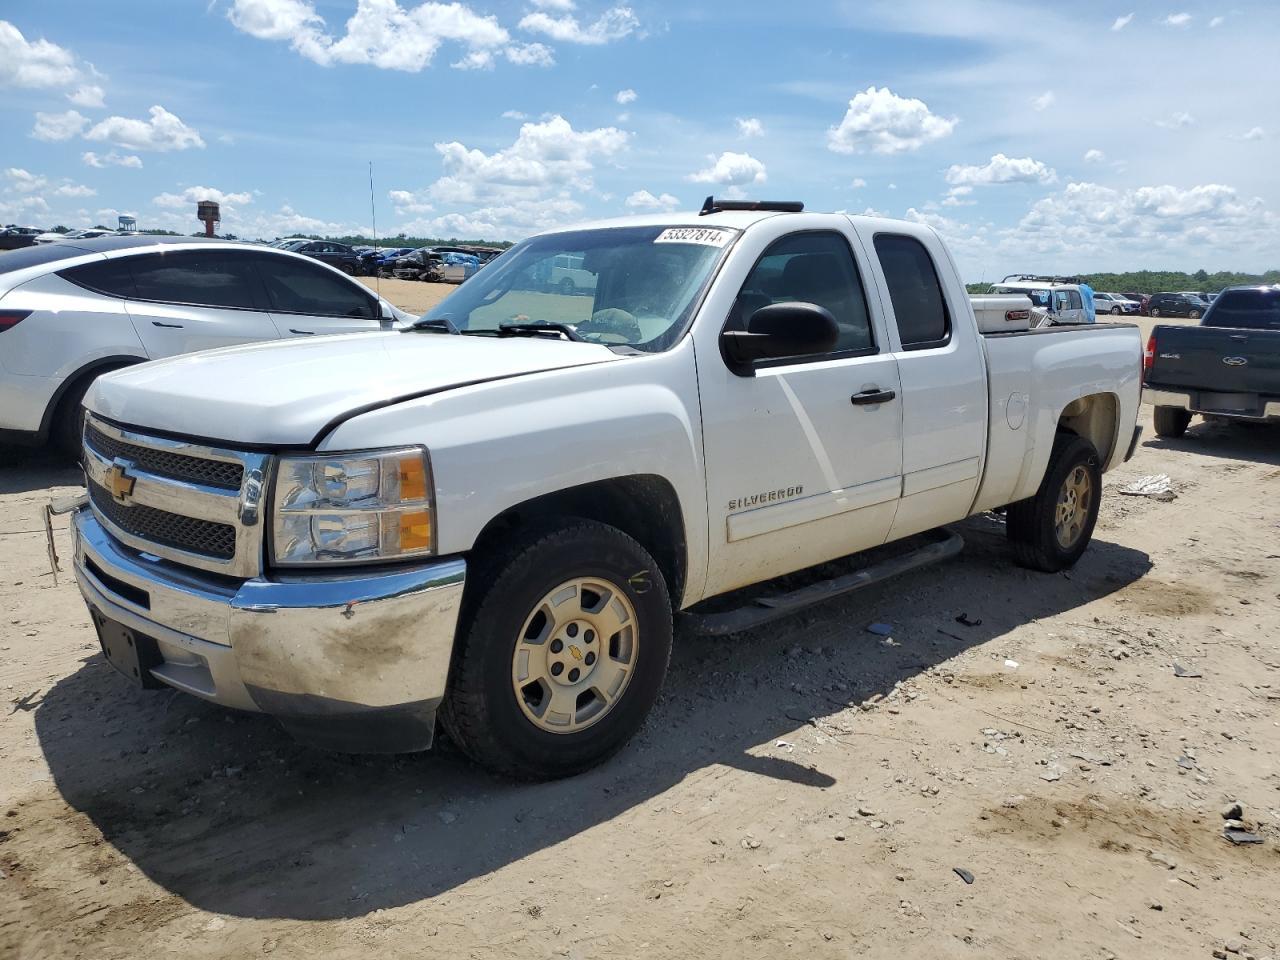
[[368, 506]]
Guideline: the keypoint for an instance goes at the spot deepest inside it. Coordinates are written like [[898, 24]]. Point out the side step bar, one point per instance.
[[761, 610]]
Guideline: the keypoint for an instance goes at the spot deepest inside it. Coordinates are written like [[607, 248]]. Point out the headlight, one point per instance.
[[353, 507]]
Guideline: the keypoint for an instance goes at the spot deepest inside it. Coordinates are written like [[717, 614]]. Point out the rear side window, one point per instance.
[[1246, 309], [915, 291], [809, 268], [110, 277], [296, 286], [213, 279], [39, 254]]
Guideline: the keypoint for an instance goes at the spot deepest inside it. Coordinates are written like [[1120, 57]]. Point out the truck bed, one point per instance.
[[1230, 370]]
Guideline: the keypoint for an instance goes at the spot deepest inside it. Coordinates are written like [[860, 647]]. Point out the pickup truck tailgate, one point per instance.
[[1224, 360]]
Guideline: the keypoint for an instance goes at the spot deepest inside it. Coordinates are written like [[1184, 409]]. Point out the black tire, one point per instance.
[[1115, 310], [68, 421], [1194, 315], [1155, 312], [1031, 524], [568, 287], [481, 712], [1171, 422], [348, 269]]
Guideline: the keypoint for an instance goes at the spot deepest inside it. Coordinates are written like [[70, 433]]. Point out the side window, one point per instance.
[[1076, 302], [915, 291], [809, 268], [214, 279], [296, 286], [112, 277]]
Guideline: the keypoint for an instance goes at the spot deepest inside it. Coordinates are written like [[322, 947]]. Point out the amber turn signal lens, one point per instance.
[[413, 479], [415, 531]]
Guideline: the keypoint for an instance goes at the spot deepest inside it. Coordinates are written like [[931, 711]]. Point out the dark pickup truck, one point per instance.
[[1228, 366]]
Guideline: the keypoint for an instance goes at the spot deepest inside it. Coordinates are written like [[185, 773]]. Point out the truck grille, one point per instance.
[[192, 504], [165, 463], [217, 540]]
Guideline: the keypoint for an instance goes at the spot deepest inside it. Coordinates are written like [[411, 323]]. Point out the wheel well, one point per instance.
[[72, 383], [1096, 418], [644, 507]]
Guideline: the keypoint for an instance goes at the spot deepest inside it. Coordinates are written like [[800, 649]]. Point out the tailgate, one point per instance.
[[1217, 359]]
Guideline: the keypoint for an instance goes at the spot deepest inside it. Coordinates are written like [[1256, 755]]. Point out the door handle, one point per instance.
[[874, 395], [169, 326], [302, 333]]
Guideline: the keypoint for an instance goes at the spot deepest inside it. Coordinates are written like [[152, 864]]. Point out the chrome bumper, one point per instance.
[[1191, 400], [357, 661]]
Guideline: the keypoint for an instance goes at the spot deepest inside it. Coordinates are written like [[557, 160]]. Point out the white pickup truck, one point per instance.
[[494, 517]]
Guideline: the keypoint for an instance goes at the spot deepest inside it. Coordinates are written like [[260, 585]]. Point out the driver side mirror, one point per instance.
[[780, 330]]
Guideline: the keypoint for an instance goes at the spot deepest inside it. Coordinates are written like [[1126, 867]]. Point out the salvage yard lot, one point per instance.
[[807, 788]]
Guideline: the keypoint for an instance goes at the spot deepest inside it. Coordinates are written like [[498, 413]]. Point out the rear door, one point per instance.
[[944, 383], [799, 470], [306, 298], [192, 300]]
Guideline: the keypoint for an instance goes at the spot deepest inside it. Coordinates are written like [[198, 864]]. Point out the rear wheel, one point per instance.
[[1171, 422], [1155, 311], [568, 287], [68, 420], [1051, 530], [1194, 314], [564, 653], [1115, 310]]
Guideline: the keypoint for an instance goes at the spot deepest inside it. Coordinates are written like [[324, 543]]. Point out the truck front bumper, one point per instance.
[[352, 661], [1240, 406]]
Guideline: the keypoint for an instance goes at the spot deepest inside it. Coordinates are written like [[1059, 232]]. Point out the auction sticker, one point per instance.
[[707, 236]]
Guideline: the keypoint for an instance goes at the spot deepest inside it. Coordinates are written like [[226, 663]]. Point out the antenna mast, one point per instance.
[[373, 213]]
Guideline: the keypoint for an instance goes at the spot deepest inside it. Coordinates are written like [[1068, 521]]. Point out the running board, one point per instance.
[[762, 610]]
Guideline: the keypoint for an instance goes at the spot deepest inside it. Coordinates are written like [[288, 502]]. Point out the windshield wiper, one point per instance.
[[536, 328], [437, 325]]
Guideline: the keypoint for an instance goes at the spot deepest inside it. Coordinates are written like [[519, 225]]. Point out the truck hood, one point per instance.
[[285, 393]]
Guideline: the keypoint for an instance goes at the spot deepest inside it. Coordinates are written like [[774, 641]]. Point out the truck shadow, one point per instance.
[[23, 470], [227, 813], [1255, 442]]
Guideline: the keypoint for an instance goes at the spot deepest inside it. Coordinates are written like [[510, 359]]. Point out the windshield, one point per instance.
[[1249, 309], [632, 286]]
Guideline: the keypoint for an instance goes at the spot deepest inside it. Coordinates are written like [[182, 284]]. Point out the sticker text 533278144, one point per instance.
[[707, 236]]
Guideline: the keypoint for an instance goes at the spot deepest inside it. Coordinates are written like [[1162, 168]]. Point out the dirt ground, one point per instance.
[[809, 789]]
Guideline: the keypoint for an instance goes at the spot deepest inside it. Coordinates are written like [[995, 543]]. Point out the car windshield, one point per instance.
[[1249, 309], [627, 286]]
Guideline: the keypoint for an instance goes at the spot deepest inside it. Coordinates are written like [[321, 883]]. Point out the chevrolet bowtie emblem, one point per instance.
[[119, 483], [573, 649]]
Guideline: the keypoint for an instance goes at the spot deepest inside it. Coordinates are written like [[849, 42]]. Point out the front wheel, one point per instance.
[[1115, 310], [564, 655], [1171, 422], [1155, 311], [1194, 314], [1051, 530], [568, 287]]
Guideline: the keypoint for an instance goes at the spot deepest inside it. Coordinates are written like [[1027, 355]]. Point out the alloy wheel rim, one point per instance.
[[1075, 502], [575, 655]]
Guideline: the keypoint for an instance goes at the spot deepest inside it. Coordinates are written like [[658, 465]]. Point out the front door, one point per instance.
[[306, 298], [800, 468]]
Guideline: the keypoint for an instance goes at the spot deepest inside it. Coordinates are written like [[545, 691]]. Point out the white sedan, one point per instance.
[[73, 310]]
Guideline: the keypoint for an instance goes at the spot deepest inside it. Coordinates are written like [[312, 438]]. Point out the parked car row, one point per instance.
[[440, 264], [14, 237], [71, 311]]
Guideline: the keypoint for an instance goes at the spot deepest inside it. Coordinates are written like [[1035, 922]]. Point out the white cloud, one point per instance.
[[530, 55], [193, 195], [380, 33], [111, 159], [24, 181], [749, 127], [881, 121], [626, 96], [74, 190], [1254, 133], [89, 96], [1121, 22], [34, 63], [1001, 169], [644, 200], [514, 115], [56, 127], [858, 183], [613, 24], [554, 4], [163, 132], [1094, 156], [406, 202], [1177, 120], [1177, 20], [958, 197], [500, 221], [1044, 101], [731, 170], [544, 155], [1217, 21]]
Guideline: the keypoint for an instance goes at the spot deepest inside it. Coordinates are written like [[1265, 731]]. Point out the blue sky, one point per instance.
[[1047, 137]]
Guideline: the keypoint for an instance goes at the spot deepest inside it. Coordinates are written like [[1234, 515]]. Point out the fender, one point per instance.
[[94, 367]]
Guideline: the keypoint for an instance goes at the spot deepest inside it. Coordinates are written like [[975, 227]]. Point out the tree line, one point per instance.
[[1162, 281]]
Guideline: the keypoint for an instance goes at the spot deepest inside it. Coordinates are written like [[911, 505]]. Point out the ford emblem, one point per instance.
[[1235, 361]]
